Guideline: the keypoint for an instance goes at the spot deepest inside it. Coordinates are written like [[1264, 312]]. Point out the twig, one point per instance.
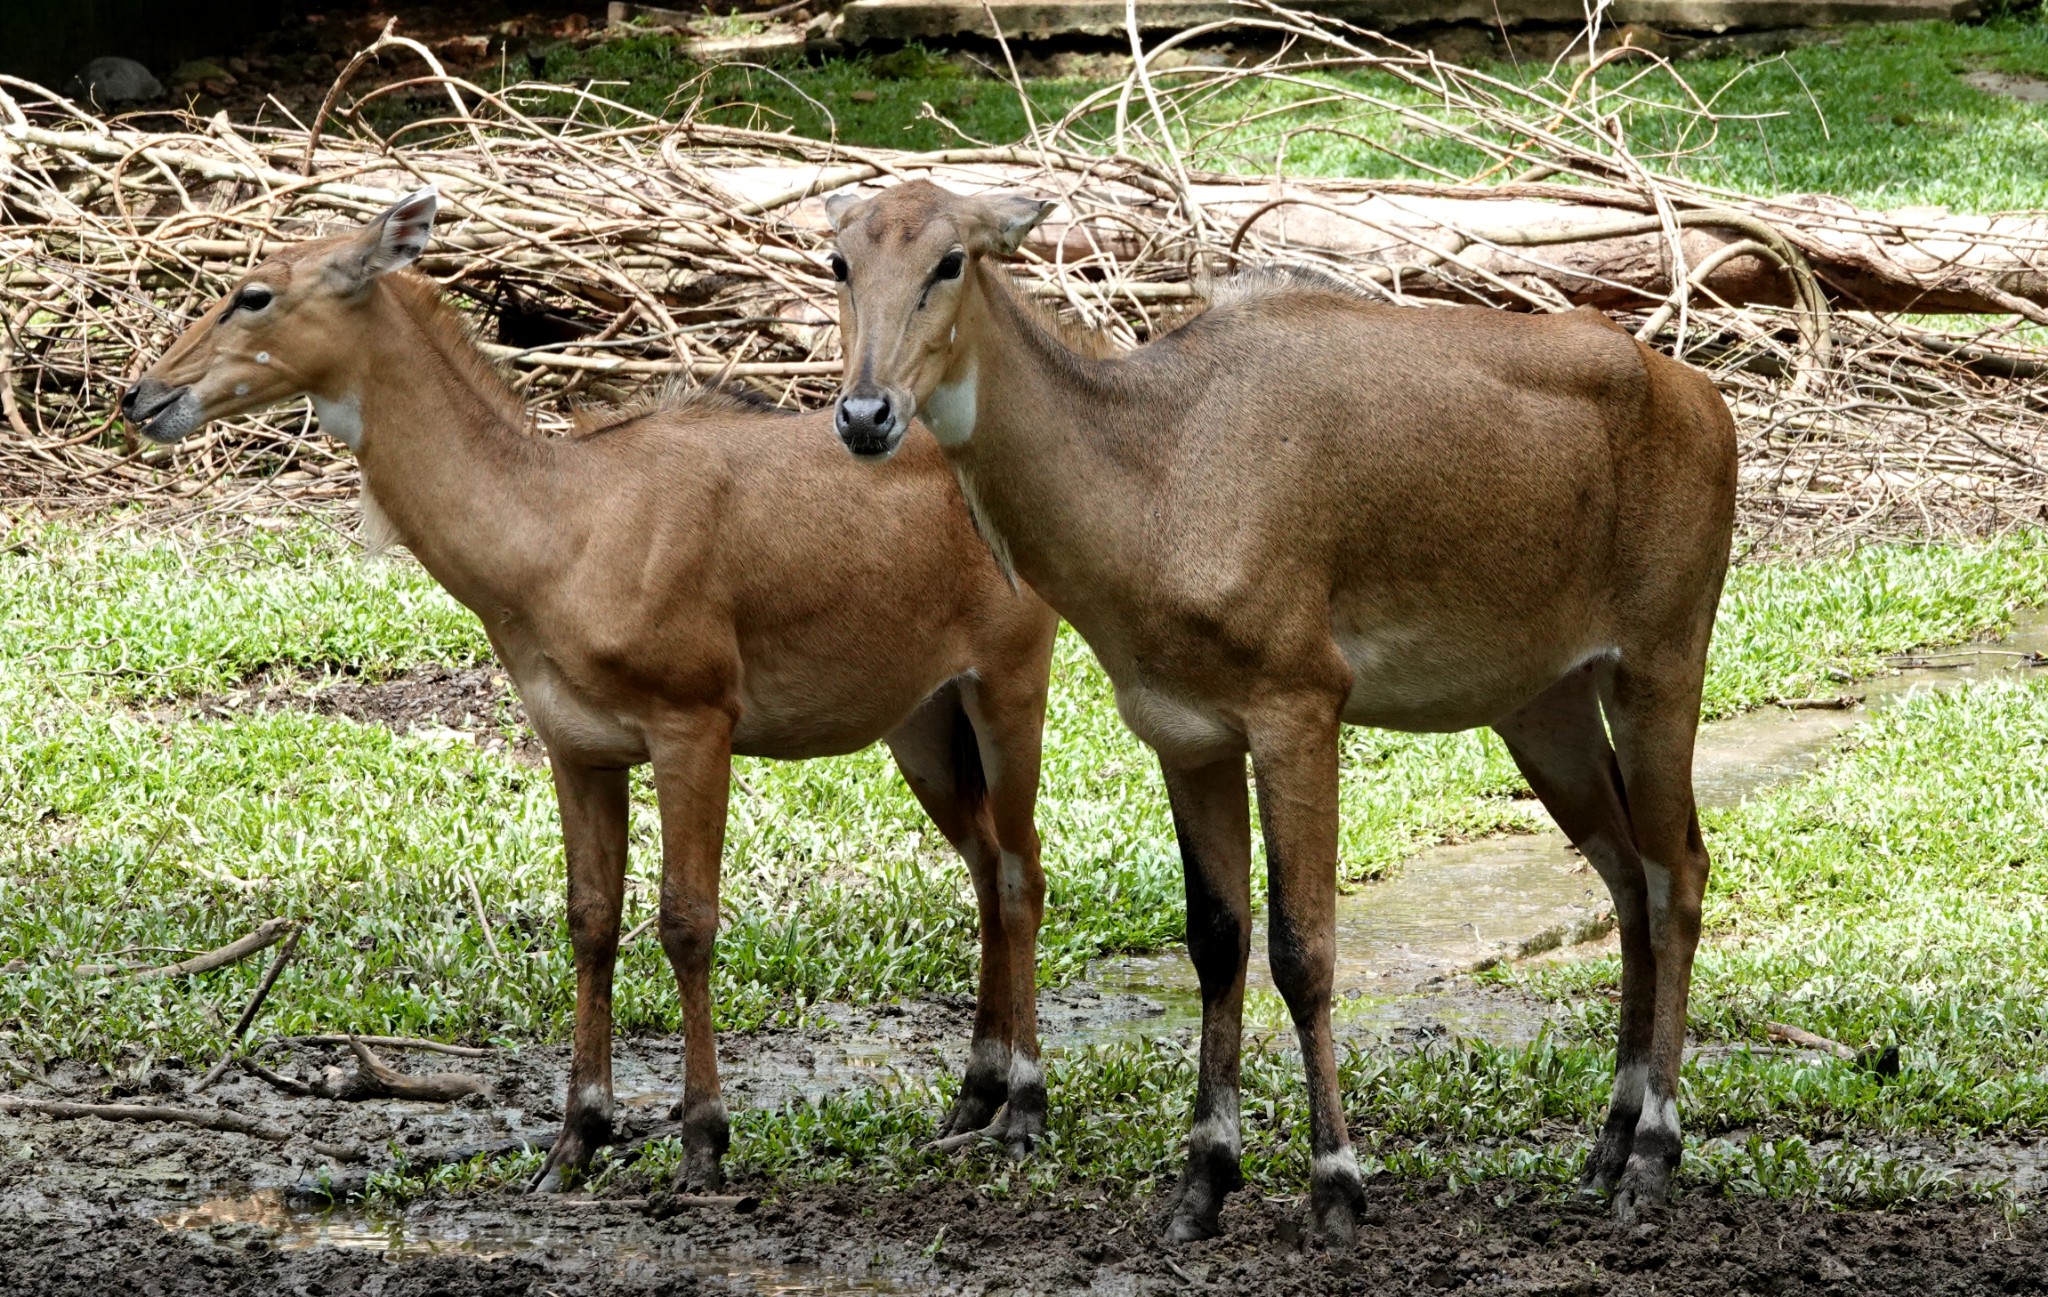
[[284, 956], [392, 1042], [269, 933], [1790, 1035], [483, 918]]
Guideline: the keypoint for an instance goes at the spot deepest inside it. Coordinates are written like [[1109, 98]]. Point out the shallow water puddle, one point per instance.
[[267, 1219], [1457, 909]]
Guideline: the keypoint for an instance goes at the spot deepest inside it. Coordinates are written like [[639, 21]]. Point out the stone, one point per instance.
[[114, 81], [195, 71]]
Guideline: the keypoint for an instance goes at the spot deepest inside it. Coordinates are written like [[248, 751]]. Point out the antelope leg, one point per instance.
[[593, 804], [1212, 820]]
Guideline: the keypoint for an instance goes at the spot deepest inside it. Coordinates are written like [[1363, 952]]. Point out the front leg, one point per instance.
[[693, 778], [1294, 756], [1212, 820], [593, 806]]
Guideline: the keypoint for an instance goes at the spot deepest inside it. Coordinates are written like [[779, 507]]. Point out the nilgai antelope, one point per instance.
[[675, 586], [1302, 509]]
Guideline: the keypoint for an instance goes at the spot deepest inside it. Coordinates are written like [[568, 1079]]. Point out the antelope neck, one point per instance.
[[1039, 466], [469, 492]]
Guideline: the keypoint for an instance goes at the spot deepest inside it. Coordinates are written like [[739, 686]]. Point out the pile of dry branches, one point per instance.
[[604, 247]]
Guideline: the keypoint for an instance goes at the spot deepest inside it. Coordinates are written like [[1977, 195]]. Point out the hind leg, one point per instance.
[[940, 760], [1654, 711], [1561, 748], [1008, 716]]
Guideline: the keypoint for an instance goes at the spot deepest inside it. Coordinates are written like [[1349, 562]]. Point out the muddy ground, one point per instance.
[[947, 1239], [94, 1207]]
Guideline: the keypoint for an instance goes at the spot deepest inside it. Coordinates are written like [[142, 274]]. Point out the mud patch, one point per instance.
[[2026, 89], [475, 701], [1490, 1238]]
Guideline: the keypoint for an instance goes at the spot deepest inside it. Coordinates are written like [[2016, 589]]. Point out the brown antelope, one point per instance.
[[1302, 509], [675, 586]]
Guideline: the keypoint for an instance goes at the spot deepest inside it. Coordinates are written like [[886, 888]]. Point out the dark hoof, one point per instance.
[[1335, 1203], [1189, 1227], [572, 1151], [967, 1119], [977, 1106], [705, 1136], [1605, 1165], [1644, 1186], [1198, 1212], [1018, 1133], [702, 1172]]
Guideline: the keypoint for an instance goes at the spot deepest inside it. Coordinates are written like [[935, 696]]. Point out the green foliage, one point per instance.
[[1892, 898], [1879, 115]]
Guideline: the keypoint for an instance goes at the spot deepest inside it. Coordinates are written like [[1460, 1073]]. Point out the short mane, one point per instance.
[[1254, 283], [679, 398], [422, 300]]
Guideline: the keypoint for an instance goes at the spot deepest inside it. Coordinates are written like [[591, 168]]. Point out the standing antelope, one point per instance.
[[1302, 509], [697, 580]]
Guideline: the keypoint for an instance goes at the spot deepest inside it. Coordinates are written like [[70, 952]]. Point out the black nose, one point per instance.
[[129, 397], [865, 423]]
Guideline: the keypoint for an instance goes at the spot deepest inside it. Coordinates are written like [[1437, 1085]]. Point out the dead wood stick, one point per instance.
[[483, 918], [434, 1087], [233, 1123], [1831, 703], [268, 934], [284, 956], [391, 1042], [372, 1079], [1790, 1035], [639, 929], [289, 1085]]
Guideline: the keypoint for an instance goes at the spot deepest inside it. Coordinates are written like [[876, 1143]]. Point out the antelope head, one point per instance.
[[291, 328], [906, 262]]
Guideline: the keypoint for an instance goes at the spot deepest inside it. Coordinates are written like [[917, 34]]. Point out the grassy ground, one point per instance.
[[1882, 118], [1894, 898], [134, 825]]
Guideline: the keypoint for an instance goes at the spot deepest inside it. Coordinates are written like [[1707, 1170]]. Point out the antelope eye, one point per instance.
[[253, 297], [950, 265], [839, 267]]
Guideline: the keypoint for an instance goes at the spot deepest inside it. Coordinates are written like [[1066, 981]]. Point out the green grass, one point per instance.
[[132, 825], [1882, 118], [1897, 897]]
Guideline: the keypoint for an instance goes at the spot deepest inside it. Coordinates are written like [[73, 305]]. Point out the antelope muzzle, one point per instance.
[[159, 411], [871, 423]]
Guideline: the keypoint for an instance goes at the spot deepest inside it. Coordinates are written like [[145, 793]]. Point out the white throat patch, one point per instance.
[[950, 410], [341, 419]]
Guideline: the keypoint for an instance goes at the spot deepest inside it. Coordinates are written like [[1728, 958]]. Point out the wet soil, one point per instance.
[[950, 1239]]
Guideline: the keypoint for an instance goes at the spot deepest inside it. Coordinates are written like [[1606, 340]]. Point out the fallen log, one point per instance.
[[1595, 248], [233, 1123], [372, 1079]]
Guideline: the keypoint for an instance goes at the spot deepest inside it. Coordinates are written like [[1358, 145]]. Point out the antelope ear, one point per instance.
[[837, 204], [1005, 219], [394, 239]]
